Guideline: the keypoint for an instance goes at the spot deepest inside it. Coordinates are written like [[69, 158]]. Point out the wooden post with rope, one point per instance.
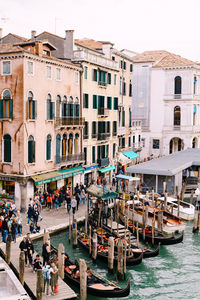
[[153, 195], [111, 245], [165, 202], [8, 248], [94, 246], [153, 226], [21, 267], [111, 219], [137, 230], [191, 197], [61, 260], [70, 228], [83, 279], [125, 249], [39, 284], [74, 234], [117, 218], [120, 259]]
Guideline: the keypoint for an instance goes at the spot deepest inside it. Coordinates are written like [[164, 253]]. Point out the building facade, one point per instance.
[[40, 119], [166, 97]]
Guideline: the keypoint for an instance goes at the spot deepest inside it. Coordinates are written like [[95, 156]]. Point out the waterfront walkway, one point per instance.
[[53, 220]]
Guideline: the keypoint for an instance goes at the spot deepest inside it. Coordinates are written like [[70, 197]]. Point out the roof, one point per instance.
[[168, 165], [16, 36], [162, 58], [10, 48], [90, 44], [46, 32]]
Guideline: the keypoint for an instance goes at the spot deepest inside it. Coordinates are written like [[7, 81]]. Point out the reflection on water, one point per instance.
[[174, 274]]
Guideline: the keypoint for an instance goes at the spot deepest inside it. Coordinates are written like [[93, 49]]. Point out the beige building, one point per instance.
[[40, 119]]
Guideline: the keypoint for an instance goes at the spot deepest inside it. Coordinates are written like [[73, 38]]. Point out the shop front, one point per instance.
[[106, 173], [90, 174], [7, 192]]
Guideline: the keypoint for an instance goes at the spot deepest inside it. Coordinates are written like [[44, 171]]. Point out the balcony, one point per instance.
[[103, 136], [102, 84], [137, 147], [85, 136], [70, 159], [69, 121], [94, 135], [103, 112], [114, 133], [102, 162], [121, 130]]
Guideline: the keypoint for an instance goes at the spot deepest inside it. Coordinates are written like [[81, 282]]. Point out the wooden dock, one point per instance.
[[65, 292]]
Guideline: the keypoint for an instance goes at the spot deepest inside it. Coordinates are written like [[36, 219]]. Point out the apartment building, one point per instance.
[[40, 119], [166, 97]]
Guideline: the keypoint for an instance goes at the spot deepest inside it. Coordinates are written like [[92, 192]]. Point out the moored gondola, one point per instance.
[[96, 286], [102, 252]]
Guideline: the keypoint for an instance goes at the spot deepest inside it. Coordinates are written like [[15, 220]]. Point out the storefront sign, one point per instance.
[[127, 196], [91, 167]]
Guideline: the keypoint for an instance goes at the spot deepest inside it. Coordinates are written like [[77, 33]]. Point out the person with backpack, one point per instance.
[[46, 252], [37, 264], [47, 270], [14, 229]]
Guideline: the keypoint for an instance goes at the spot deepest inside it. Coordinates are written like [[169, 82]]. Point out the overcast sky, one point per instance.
[[137, 25]]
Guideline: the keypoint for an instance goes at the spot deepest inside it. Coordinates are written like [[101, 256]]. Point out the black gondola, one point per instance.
[[95, 286], [130, 260]]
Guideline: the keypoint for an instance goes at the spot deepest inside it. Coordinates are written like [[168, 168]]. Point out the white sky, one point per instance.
[[137, 25]]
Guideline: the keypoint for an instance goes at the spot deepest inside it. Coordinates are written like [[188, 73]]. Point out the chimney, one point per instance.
[[69, 44], [33, 34], [1, 32], [39, 48]]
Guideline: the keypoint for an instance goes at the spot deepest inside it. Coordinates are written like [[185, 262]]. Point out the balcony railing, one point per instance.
[[102, 111], [103, 162], [85, 136], [70, 121], [114, 133], [69, 158], [102, 83], [94, 135], [138, 146], [102, 136]]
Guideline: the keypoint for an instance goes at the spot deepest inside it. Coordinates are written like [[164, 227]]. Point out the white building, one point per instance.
[[166, 97]]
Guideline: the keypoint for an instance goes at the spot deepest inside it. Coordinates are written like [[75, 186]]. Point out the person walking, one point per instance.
[[19, 223], [82, 196], [74, 204], [4, 228], [77, 200], [47, 270], [30, 213], [30, 251], [46, 252], [23, 247], [54, 279], [14, 229], [49, 201]]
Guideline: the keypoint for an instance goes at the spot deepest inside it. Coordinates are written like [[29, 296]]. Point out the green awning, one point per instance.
[[101, 192], [106, 169], [131, 154], [57, 175], [71, 172]]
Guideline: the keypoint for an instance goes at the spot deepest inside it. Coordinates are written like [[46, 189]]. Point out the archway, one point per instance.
[[176, 144], [195, 142]]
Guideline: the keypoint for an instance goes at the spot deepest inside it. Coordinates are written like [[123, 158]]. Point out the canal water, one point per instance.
[[174, 274]]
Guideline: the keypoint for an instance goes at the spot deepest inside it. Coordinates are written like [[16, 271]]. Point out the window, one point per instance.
[[50, 108], [115, 79], [76, 77], [177, 85], [124, 89], [85, 72], [177, 116], [58, 74], [114, 128], [123, 142], [30, 67], [129, 141], [85, 155], [86, 131], [195, 84], [48, 147], [129, 117], [123, 118], [109, 102], [131, 67], [95, 101], [6, 106], [113, 58], [107, 150], [85, 101], [130, 89], [115, 103], [31, 150], [139, 138], [94, 129], [156, 144], [194, 114], [102, 78], [94, 74], [114, 150], [93, 154], [31, 107], [121, 64], [76, 110], [109, 78], [58, 139], [7, 148], [134, 139], [48, 72], [6, 68]]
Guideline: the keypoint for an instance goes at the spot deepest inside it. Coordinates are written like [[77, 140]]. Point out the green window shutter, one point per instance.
[[87, 101], [11, 108], [48, 149], [129, 141], [27, 110], [7, 148], [53, 110], [83, 100], [48, 110], [115, 103], [94, 75], [30, 152], [1, 109], [114, 150], [33, 151], [94, 101], [99, 104], [108, 127], [129, 118], [34, 109], [63, 107], [107, 150], [109, 102], [123, 118], [93, 154]]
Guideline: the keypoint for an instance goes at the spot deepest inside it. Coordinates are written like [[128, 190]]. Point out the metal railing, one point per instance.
[[70, 121], [102, 136], [102, 111], [102, 83], [69, 158]]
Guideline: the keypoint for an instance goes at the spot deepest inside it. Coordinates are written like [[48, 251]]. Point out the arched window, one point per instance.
[[48, 147], [194, 142], [65, 107], [58, 103], [177, 116], [31, 149], [31, 107], [6, 105], [58, 139], [70, 144], [7, 148], [50, 108], [76, 144], [64, 145], [195, 84], [177, 85]]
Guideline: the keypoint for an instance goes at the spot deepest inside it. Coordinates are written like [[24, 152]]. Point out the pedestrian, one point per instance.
[[35, 216], [30, 251], [37, 264], [19, 223], [74, 204], [47, 270], [49, 201], [46, 252], [113, 179], [14, 229], [4, 228], [68, 202], [30, 213], [23, 247], [56, 201], [54, 279], [82, 196], [77, 200]]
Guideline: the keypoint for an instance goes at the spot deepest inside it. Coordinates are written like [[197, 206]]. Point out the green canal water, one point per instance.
[[174, 274]]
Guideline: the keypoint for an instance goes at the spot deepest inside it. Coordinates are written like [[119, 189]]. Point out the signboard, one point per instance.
[[127, 196]]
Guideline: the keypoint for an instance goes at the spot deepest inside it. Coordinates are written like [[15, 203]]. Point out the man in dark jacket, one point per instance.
[[23, 247], [4, 228], [46, 252], [30, 213]]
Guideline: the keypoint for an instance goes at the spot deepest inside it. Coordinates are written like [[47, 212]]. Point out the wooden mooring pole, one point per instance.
[[196, 221], [74, 234], [83, 279], [125, 249], [8, 248], [111, 220], [70, 228], [90, 240], [61, 260], [111, 245], [120, 259], [94, 246], [21, 267], [39, 284]]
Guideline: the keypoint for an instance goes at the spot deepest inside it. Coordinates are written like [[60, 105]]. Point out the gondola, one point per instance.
[[96, 286], [102, 252]]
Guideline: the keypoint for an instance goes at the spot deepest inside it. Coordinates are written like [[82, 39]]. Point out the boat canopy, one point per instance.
[[101, 192]]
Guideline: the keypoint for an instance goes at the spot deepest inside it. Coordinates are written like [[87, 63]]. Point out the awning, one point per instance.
[[54, 176], [107, 169], [71, 172], [122, 159], [121, 176], [131, 154], [101, 192]]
